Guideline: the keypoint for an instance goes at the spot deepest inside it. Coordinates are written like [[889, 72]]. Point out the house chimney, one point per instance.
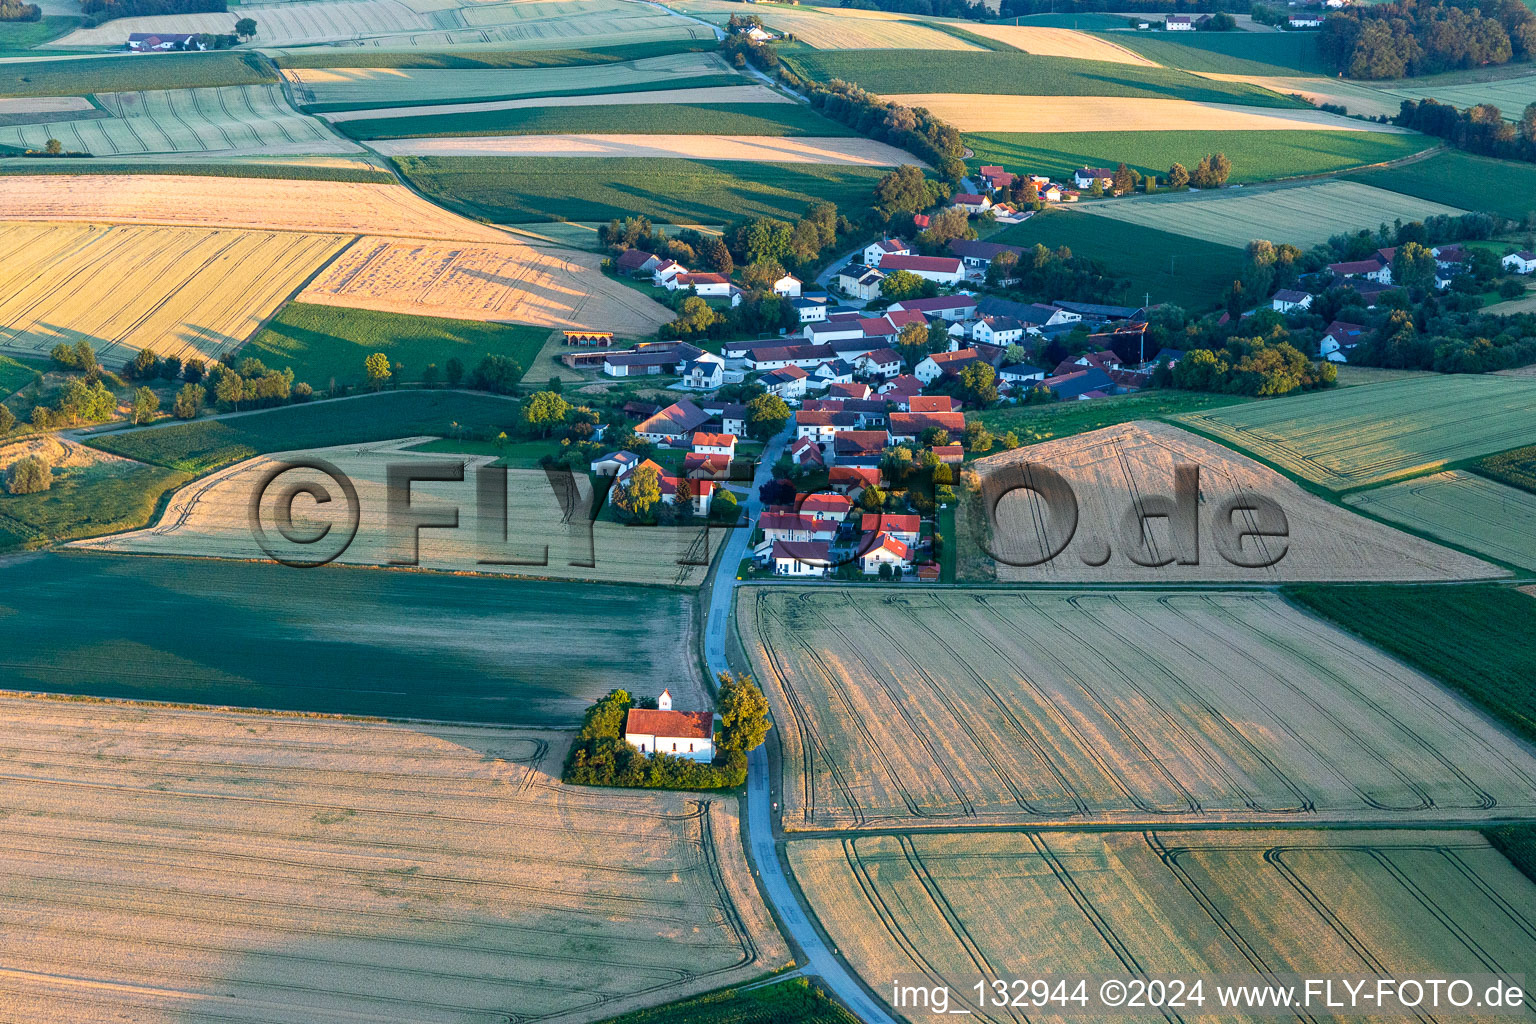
[[664, 702]]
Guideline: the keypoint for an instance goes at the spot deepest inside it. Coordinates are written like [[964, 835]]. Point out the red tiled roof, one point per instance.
[[824, 503], [933, 264], [1356, 267], [931, 403], [881, 522], [673, 725], [911, 424], [701, 439], [632, 259], [862, 476], [802, 550], [889, 543]]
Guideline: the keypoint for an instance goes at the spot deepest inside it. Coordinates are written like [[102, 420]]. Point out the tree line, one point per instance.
[[98, 11], [1478, 129], [10, 10], [1422, 37]]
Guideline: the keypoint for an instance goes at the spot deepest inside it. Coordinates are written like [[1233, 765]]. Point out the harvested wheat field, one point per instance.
[[1112, 469], [44, 105], [949, 909], [518, 283], [842, 28], [1356, 98], [236, 119], [548, 532], [282, 24], [1303, 215], [1025, 114], [1060, 42], [162, 866], [1463, 508], [756, 148], [185, 291], [261, 203], [1028, 707], [377, 86], [1369, 435], [716, 94]]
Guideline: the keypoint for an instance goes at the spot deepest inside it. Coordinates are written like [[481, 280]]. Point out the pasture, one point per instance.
[[77, 77], [1304, 215], [517, 190], [996, 72], [1462, 508], [342, 207], [1056, 114], [340, 640], [208, 444], [184, 291], [1255, 155], [544, 287], [852, 151], [667, 117], [1024, 707], [1491, 659], [335, 88], [1369, 435], [947, 909], [298, 870], [1477, 182], [548, 522], [323, 343], [1168, 267], [91, 493], [250, 119], [1109, 470]]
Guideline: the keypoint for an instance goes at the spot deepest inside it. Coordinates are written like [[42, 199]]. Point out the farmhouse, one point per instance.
[[698, 466], [857, 390], [788, 286], [874, 252], [971, 202], [773, 356], [909, 426], [1085, 383], [152, 42], [665, 271], [946, 307], [809, 558], [1373, 269], [860, 281], [1339, 340], [687, 734], [1305, 19], [636, 262], [701, 493], [998, 330], [654, 358], [939, 269], [674, 423], [714, 444], [805, 452], [1021, 373], [996, 177], [931, 403], [1287, 300], [615, 464], [589, 339], [1103, 175], [1179, 23], [1523, 262]]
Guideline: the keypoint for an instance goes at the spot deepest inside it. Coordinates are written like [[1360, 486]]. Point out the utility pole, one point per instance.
[[1146, 301]]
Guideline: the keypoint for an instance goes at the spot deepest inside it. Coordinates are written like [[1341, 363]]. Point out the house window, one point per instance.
[[674, 748], [642, 748]]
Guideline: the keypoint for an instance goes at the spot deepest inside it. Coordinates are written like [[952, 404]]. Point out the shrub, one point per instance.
[[30, 475]]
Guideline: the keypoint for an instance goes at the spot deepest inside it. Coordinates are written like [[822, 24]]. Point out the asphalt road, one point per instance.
[[761, 847]]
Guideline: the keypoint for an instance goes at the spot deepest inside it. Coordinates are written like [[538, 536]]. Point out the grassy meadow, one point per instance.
[[14, 376], [208, 444], [1480, 640], [777, 119], [1228, 53], [1461, 179], [1035, 423], [85, 501], [1171, 268], [1008, 73], [74, 77], [1255, 155], [330, 343], [522, 189], [334, 640]]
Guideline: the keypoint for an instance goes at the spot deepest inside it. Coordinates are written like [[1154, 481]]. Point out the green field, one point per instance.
[[1256, 156], [782, 119], [1356, 437], [522, 189], [1019, 74], [79, 76], [350, 641], [780, 1003], [23, 35], [1518, 843], [85, 502], [1463, 508], [1475, 182], [368, 57], [1035, 423], [14, 376], [436, 96], [329, 343], [1228, 53], [1172, 268], [208, 444], [1516, 468], [1478, 639]]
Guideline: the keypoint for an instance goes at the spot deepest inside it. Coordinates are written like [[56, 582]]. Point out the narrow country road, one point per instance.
[[762, 848]]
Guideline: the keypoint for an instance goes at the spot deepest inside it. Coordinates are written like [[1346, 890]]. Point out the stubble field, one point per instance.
[[993, 707], [1371, 434], [168, 865], [1112, 469], [1305, 215], [235, 119], [1463, 508], [1060, 42], [732, 94], [1044, 114], [339, 640], [183, 291], [845, 28], [521, 283], [546, 521], [950, 908], [757, 149]]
